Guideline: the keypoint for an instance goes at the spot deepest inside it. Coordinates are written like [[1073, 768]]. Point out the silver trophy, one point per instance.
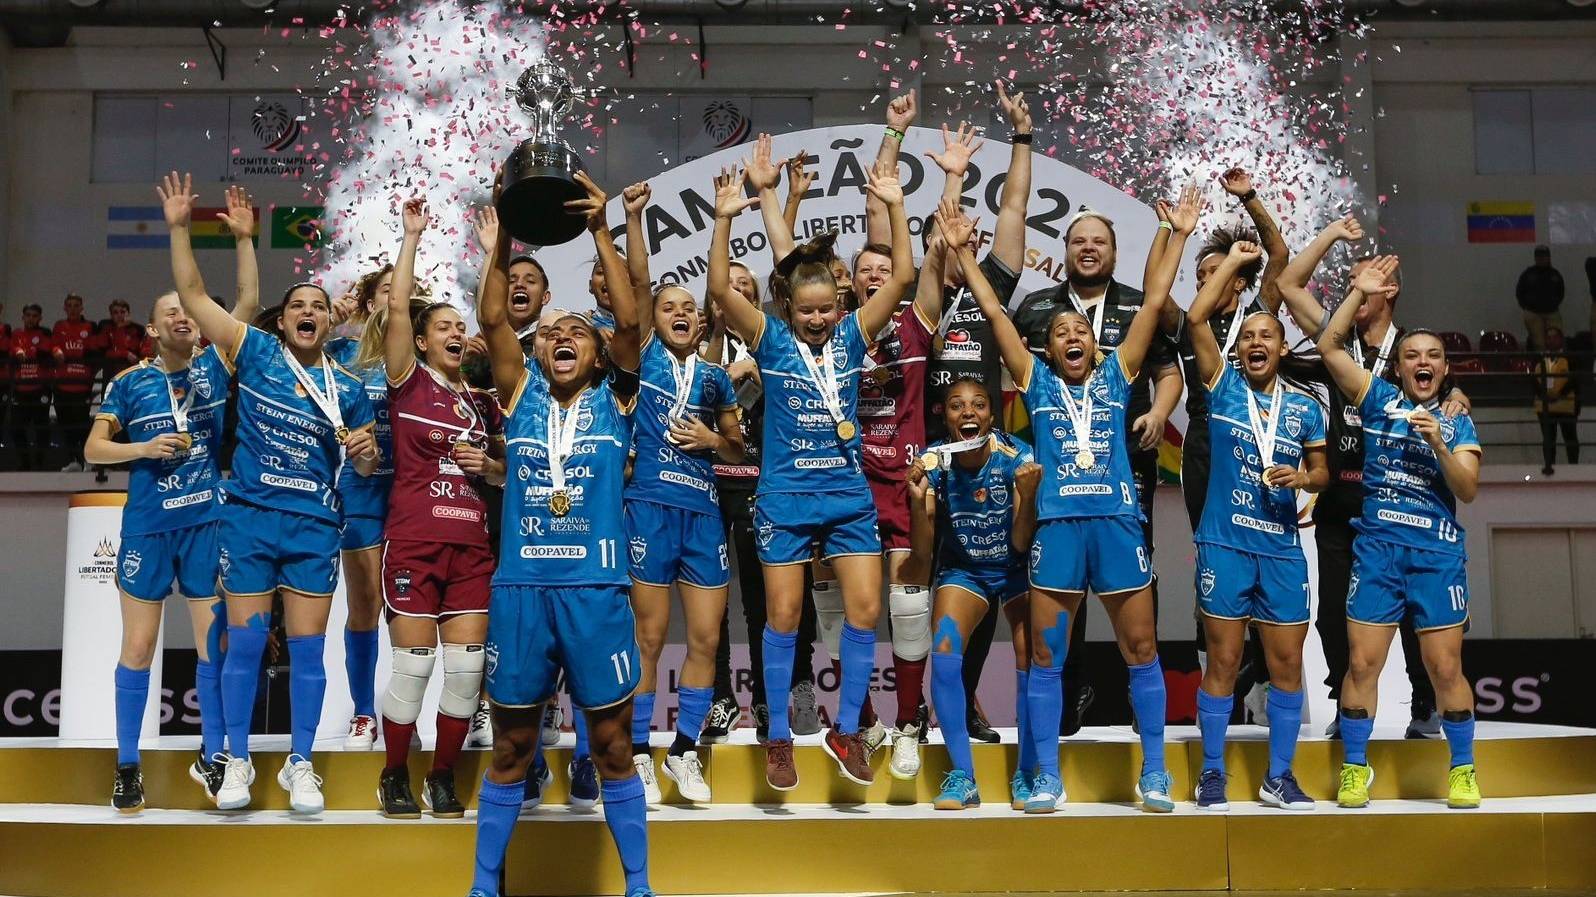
[[540, 174]]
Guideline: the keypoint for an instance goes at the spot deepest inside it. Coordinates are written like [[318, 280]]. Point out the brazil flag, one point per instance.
[[296, 227]]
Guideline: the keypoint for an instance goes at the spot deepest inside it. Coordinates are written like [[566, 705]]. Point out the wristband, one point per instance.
[[1167, 226], [1249, 196], [894, 133], [1024, 139]]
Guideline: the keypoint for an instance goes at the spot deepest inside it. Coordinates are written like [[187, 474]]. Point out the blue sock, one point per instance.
[[240, 674], [779, 650], [497, 807], [1355, 740], [1148, 700], [1213, 717], [132, 691], [208, 686], [1285, 718], [858, 662], [307, 685], [627, 816], [1022, 719], [360, 665], [1460, 738], [947, 693], [579, 727], [642, 716], [692, 705], [1044, 696]]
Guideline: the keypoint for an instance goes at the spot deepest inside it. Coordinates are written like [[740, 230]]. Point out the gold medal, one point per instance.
[[560, 503], [1085, 459], [186, 438], [341, 434], [846, 430], [930, 461], [937, 343]]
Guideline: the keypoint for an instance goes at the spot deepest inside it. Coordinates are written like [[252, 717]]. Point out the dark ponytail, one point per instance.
[[808, 264]]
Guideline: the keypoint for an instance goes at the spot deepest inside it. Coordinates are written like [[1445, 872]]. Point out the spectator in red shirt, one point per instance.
[[121, 339], [30, 388], [5, 346], [75, 346]]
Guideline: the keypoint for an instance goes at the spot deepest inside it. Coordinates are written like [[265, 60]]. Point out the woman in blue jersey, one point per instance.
[[1267, 442], [812, 488], [1088, 532], [978, 490], [686, 421], [1409, 557], [170, 408], [560, 594], [299, 415]]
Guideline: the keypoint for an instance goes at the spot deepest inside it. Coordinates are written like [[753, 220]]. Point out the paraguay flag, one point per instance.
[[144, 227], [1501, 222]]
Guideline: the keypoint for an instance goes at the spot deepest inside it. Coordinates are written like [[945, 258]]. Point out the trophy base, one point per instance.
[[539, 178]]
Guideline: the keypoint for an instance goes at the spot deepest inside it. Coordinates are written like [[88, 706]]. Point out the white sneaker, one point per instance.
[[1257, 704], [688, 774], [905, 752], [481, 734], [72, 467], [299, 779], [645, 771], [553, 719], [236, 779], [362, 734], [874, 736]]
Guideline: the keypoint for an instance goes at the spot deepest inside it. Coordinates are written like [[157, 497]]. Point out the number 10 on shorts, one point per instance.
[[1459, 596]]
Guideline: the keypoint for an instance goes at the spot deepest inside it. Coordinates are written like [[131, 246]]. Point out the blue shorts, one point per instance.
[[1103, 554], [1389, 579], [787, 525], [360, 533], [536, 631], [667, 544], [1240, 585], [146, 565], [985, 584], [263, 550]]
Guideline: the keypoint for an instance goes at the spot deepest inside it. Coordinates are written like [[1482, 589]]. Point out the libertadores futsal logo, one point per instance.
[[274, 126]]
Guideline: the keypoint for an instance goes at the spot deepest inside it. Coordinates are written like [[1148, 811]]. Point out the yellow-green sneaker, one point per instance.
[[1355, 782], [1463, 791]]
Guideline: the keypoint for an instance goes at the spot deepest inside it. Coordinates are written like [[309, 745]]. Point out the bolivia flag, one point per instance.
[[1501, 222], [144, 227]]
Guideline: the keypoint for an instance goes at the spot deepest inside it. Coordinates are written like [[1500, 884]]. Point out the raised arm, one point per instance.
[[954, 160], [399, 337], [1293, 281], [215, 323], [879, 308], [900, 116], [762, 174], [1348, 374], [1175, 226], [740, 315], [240, 220], [1238, 183], [956, 229], [627, 341], [1204, 345], [634, 199], [506, 361], [928, 289], [1008, 236], [799, 181]]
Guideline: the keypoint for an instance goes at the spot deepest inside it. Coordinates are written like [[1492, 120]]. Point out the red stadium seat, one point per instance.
[[1496, 351], [1455, 343]]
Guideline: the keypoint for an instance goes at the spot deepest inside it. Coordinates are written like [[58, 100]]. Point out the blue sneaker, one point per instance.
[[1153, 792], [640, 892], [958, 792], [1047, 792], [538, 778], [584, 783], [1211, 791], [478, 892], [1019, 789], [1283, 791]]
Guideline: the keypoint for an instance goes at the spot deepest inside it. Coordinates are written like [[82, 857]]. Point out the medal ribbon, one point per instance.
[[1382, 358], [1080, 415], [1263, 435], [463, 401], [561, 439], [179, 410], [682, 372], [1095, 316], [825, 382]]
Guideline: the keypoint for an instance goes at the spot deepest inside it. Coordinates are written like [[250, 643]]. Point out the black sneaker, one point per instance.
[[127, 793], [761, 722], [922, 718], [1425, 721], [438, 793], [979, 729], [1076, 703], [208, 773], [393, 794], [722, 718]]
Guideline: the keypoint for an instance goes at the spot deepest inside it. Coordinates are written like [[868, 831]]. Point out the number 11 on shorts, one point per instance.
[[623, 666]]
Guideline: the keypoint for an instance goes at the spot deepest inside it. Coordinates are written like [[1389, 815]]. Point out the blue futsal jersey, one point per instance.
[[661, 472], [177, 492], [287, 457], [1105, 489], [1405, 496], [975, 509], [803, 452], [368, 496], [343, 350], [1242, 513], [583, 546]]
